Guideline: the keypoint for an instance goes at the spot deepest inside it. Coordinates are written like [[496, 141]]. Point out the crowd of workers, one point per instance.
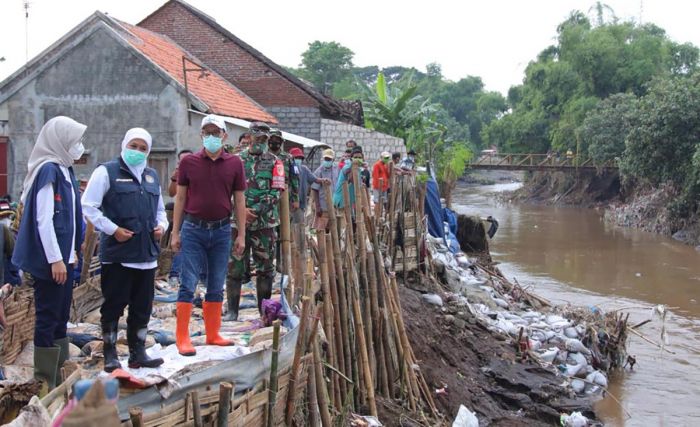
[[225, 223]]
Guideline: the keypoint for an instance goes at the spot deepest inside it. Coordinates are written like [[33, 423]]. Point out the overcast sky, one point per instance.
[[492, 39]]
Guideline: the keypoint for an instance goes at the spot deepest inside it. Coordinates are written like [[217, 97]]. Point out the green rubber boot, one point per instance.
[[46, 364], [64, 345]]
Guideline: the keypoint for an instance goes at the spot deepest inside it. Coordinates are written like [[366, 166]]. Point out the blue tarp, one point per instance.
[[433, 209]]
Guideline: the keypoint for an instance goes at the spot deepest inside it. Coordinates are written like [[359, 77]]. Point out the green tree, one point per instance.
[[326, 63], [587, 64], [605, 128]]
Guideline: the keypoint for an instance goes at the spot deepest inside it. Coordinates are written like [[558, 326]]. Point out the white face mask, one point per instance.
[[76, 151]]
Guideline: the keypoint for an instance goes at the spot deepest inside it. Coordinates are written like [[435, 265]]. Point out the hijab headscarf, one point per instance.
[[55, 139], [137, 133]]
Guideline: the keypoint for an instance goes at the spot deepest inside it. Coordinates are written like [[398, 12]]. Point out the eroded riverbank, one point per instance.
[[571, 255]]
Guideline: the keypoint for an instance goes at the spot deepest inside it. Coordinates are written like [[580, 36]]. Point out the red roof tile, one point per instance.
[[220, 95]]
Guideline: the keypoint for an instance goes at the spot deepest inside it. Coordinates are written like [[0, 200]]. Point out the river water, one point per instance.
[[569, 255]]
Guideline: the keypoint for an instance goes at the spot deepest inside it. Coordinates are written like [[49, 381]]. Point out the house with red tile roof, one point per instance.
[[113, 76]]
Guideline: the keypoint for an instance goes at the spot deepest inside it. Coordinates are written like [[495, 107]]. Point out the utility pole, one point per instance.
[[26, 30]]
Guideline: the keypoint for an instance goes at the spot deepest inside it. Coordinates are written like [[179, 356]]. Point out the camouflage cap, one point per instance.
[[259, 127], [276, 134]]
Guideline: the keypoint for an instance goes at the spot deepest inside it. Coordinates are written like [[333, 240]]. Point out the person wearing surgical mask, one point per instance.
[[207, 182], [328, 170], [48, 238], [123, 200]]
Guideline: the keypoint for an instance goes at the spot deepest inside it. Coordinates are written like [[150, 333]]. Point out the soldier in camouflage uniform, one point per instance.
[[265, 175]]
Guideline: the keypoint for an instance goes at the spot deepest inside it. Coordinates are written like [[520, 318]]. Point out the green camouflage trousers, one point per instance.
[[261, 245]]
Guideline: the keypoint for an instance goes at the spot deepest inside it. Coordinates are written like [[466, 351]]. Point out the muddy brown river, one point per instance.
[[569, 255]]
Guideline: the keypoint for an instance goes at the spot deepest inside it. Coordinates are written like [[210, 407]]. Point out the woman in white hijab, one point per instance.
[[123, 200], [49, 236]]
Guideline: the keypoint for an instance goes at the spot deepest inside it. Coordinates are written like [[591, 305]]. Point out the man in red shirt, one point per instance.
[[380, 177], [205, 184]]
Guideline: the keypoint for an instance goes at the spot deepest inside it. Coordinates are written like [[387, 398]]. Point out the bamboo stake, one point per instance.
[[285, 242], [196, 409], [136, 416], [225, 392], [339, 349], [340, 282], [312, 398], [328, 317], [363, 282], [321, 391], [361, 340], [272, 400], [298, 350], [378, 205]]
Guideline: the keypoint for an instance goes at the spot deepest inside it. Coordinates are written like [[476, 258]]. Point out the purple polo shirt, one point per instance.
[[210, 184]]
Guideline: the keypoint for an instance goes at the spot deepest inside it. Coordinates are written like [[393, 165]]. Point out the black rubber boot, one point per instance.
[[233, 299], [136, 337], [64, 345], [109, 349], [263, 287]]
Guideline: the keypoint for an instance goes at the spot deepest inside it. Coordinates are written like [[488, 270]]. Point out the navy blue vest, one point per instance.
[[29, 252], [131, 205]]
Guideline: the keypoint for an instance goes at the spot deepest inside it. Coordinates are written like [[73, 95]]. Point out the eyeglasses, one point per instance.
[[328, 159], [211, 132], [259, 131]]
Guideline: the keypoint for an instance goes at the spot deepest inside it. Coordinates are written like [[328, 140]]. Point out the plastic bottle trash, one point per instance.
[[576, 419], [465, 418], [433, 299]]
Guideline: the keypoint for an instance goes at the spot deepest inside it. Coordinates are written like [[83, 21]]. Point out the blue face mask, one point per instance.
[[298, 162], [327, 163], [133, 157], [212, 143]]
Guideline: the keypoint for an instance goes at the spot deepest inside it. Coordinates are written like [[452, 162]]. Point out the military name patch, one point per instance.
[[125, 180]]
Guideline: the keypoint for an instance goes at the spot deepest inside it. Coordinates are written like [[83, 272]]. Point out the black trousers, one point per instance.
[[52, 307], [122, 286]]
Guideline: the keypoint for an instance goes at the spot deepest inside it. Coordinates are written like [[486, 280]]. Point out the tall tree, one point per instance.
[[326, 63]]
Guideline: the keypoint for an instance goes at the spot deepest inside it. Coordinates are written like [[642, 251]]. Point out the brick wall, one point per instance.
[[373, 143], [248, 73], [299, 120]]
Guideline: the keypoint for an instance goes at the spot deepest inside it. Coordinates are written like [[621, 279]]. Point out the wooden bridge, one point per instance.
[[538, 162]]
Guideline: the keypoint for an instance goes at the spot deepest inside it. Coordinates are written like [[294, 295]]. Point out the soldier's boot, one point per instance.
[[182, 331], [46, 365], [233, 299], [263, 287], [136, 337], [212, 323], [109, 348]]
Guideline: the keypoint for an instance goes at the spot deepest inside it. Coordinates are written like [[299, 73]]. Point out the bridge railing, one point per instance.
[[534, 161]]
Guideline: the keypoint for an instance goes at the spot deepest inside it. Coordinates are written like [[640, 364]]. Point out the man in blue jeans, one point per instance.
[[205, 184]]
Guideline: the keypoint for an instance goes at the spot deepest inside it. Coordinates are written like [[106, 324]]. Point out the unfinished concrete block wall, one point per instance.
[[336, 133], [303, 121]]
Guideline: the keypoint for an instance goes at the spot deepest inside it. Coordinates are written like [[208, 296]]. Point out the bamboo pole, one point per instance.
[[340, 279], [298, 350], [225, 393], [285, 242], [196, 409], [328, 317], [272, 400], [312, 398], [363, 279], [337, 329], [136, 416], [321, 391], [362, 345]]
